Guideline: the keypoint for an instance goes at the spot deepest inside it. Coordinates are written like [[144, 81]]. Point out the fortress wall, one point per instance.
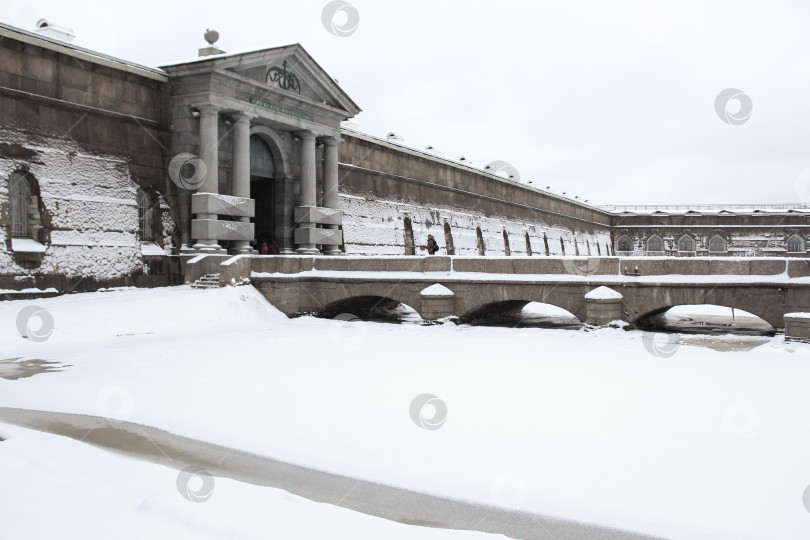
[[382, 184], [87, 133]]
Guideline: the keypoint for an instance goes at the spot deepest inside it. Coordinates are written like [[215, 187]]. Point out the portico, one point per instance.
[[266, 124]]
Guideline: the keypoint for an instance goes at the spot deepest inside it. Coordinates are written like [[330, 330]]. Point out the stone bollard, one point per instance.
[[602, 305], [437, 301], [797, 327]]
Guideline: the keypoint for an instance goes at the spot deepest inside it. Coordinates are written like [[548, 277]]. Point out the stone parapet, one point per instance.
[[217, 229], [324, 237], [224, 205]]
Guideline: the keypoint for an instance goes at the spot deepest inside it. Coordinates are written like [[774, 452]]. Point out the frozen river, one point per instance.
[[621, 430]]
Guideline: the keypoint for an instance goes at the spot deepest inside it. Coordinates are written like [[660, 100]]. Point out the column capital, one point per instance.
[[330, 141], [239, 116], [306, 135], [207, 108]]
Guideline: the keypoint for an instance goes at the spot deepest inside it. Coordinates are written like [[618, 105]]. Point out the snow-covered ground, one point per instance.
[[592, 426], [56, 487]]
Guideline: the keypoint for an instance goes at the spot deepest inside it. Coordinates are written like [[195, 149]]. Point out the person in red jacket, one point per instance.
[[263, 250]]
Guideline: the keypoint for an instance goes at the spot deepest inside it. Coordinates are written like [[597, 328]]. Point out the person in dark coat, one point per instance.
[[432, 246], [273, 248]]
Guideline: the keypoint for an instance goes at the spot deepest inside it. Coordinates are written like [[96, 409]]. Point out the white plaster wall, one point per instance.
[[92, 203], [376, 227]]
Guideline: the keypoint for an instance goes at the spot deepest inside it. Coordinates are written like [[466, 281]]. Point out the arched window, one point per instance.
[[795, 244], [448, 239], [686, 243], [528, 244], [410, 246], [19, 198], [654, 243], [479, 237], [506, 249], [624, 244], [717, 244], [144, 216]]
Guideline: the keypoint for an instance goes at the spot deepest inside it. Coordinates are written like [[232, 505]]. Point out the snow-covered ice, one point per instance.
[[582, 425], [55, 487]]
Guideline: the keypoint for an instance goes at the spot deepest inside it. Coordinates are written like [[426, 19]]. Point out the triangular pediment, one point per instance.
[[289, 68]]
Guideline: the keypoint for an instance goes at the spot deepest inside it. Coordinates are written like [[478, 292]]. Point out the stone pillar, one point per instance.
[[602, 306], [209, 148], [241, 170], [437, 302], [307, 183], [797, 327], [330, 183]]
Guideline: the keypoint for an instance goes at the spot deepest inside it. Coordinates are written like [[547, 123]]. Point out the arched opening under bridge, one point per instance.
[[521, 314], [705, 319], [370, 308]]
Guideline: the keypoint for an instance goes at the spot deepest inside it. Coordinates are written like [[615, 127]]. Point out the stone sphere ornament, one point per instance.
[[211, 36]]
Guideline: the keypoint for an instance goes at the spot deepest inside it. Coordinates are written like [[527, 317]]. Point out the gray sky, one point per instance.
[[610, 100]]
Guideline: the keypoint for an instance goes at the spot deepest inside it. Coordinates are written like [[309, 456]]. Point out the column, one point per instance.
[[307, 183], [286, 201], [330, 183], [209, 147], [241, 169]]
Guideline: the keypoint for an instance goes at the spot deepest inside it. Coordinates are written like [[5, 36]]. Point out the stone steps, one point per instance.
[[208, 281]]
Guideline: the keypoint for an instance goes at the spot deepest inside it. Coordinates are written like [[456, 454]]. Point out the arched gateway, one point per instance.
[[255, 119]]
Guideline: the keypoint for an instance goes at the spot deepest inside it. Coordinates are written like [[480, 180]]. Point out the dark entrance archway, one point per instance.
[[262, 189]]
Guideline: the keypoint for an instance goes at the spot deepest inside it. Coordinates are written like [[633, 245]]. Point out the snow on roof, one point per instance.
[[39, 39], [603, 293], [437, 289]]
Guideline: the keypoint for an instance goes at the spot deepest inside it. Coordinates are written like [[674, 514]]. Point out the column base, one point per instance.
[[308, 250], [240, 246], [208, 247]]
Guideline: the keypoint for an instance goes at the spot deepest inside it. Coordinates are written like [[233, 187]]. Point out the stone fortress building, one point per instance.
[[113, 173]]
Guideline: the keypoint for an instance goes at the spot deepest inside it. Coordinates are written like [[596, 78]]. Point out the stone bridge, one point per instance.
[[465, 286]]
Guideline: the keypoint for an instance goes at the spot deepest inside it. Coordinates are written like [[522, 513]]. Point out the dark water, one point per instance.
[[158, 446], [16, 368], [523, 319], [713, 325]]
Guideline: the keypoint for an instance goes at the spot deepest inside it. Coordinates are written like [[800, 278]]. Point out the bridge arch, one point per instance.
[[766, 303], [703, 320]]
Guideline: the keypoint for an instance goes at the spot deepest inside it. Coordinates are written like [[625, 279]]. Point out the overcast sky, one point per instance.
[[612, 101]]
